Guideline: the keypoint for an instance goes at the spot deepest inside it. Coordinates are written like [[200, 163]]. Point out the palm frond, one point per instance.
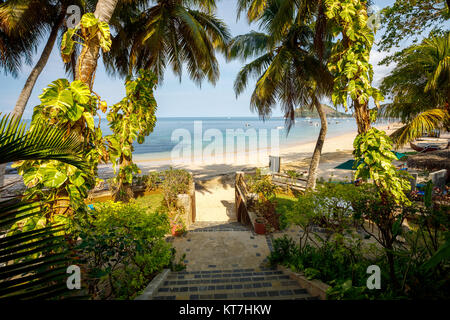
[[253, 69], [424, 122], [42, 143], [248, 45], [33, 264]]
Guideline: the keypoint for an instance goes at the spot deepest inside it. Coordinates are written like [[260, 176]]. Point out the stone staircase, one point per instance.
[[236, 284]]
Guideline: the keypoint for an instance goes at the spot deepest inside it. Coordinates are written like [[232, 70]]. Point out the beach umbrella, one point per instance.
[[349, 165]]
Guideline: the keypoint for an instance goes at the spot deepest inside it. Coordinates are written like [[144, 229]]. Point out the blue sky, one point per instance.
[[183, 99]]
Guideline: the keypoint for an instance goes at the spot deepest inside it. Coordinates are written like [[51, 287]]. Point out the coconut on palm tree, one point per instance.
[[288, 70], [419, 87]]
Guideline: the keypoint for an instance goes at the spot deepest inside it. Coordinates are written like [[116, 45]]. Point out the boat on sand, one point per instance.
[[429, 144]]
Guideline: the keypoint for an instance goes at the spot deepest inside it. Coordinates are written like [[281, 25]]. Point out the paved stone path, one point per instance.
[[227, 261], [224, 259]]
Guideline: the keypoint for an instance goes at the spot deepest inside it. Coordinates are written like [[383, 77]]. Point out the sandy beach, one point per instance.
[[336, 150]]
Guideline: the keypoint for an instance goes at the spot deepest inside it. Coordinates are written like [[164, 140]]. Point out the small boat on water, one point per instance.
[[425, 145]]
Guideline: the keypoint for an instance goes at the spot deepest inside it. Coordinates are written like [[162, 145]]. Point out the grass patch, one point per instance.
[[284, 204], [150, 201]]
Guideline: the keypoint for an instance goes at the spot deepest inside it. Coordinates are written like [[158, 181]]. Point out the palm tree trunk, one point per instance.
[[32, 78], [87, 61], [312, 176]]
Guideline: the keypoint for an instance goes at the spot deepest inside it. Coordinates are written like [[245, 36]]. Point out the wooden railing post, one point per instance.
[[237, 197]]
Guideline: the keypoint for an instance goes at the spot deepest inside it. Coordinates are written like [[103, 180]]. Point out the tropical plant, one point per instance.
[[95, 33], [70, 106], [288, 68], [92, 32], [33, 263], [419, 86], [349, 62], [172, 32], [372, 151], [131, 119]]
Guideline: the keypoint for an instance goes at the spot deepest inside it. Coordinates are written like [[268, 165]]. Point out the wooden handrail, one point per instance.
[[288, 177]]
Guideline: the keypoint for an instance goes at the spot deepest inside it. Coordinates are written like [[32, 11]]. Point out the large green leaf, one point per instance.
[[80, 91], [105, 40], [89, 120], [67, 45], [88, 20], [57, 95], [52, 177], [75, 112]]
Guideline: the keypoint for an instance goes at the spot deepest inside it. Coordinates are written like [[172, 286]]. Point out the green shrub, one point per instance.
[[262, 186], [152, 181], [417, 259], [176, 181], [340, 264], [122, 248]]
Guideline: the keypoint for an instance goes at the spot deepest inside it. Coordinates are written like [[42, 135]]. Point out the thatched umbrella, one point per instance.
[[431, 161]]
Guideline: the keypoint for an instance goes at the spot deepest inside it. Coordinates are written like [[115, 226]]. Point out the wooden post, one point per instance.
[[237, 200]]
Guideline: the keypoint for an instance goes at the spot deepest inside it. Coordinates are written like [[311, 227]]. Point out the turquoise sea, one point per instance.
[[159, 143]]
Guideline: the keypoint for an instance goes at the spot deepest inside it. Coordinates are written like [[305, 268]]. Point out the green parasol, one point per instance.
[[349, 165]]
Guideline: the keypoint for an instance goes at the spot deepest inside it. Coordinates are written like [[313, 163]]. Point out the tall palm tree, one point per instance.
[[288, 70], [419, 86], [29, 22], [172, 32]]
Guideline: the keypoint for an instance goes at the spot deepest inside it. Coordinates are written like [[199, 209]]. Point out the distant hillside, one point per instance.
[[330, 112]]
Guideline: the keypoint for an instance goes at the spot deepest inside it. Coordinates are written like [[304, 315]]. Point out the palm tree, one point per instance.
[[419, 86], [33, 263], [287, 70], [29, 22], [172, 32]]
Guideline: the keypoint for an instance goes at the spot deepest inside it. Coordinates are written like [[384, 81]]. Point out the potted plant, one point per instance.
[[176, 226], [260, 225]]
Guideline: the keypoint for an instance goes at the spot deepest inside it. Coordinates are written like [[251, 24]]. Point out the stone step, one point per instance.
[[229, 286], [262, 295], [223, 274], [291, 291], [208, 226], [225, 280], [237, 284]]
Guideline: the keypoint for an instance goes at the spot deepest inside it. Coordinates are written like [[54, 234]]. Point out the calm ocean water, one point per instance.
[[159, 143]]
